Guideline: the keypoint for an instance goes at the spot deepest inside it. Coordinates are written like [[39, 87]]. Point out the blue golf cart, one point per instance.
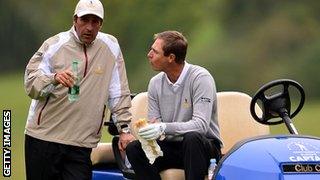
[[250, 152]]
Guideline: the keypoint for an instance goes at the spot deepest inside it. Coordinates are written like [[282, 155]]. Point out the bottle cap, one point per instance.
[[213, 160]]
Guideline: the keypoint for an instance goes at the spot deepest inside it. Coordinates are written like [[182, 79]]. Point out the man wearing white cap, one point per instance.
[[60, 133]]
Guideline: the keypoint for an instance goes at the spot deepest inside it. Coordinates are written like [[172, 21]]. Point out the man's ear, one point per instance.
[[172, 58], [75, 17]]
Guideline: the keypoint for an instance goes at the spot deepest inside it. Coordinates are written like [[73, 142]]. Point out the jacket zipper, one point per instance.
[[45, 104], [103, 115], [86, 59]]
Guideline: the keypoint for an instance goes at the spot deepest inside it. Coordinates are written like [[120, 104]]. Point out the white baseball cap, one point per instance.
[[85, 7]]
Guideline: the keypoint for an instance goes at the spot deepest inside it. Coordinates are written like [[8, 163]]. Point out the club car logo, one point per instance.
[[303, 152]]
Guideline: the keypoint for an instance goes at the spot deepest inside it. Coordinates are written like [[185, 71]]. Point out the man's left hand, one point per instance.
[[152, 131]]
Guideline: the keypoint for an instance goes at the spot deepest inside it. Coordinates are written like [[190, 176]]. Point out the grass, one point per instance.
[[306, 122], [13, 97]]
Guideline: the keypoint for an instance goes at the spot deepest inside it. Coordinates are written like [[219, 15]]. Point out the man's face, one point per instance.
[[156, 57], [87, 27]]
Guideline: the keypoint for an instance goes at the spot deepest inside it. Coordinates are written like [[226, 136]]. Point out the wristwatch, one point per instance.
[[125, 129]]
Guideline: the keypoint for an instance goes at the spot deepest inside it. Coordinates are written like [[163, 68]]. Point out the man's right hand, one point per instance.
[[124, 140], [65, 78]]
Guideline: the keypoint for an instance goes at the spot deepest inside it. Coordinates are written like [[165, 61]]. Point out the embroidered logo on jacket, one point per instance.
[[185, 103], [205, 99], [98, 70]]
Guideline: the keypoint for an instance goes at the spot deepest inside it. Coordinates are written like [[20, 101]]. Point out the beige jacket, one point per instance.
[[103, 83]]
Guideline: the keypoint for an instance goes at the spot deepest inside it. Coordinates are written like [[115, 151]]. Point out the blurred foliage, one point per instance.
[[244, 43]]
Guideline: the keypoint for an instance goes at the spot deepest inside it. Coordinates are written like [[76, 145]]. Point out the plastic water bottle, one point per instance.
[[212, 167], [73, 93]]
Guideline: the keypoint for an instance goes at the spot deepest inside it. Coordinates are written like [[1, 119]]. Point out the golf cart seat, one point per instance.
[[102, 154], [234, 118]]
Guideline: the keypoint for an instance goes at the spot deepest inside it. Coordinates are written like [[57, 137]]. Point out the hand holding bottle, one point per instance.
[[65, 78]]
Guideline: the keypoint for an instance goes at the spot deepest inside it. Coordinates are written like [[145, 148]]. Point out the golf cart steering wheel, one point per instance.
[[277, 105]]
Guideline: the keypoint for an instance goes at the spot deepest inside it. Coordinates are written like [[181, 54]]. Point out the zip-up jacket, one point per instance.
[[103, 83]]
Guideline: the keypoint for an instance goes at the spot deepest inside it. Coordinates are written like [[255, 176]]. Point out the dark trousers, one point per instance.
[[53, 161], [192, 154]]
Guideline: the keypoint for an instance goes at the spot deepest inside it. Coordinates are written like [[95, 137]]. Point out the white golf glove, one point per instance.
[[152, 131]]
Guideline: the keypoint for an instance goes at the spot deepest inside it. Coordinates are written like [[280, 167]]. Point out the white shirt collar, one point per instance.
[[181, 77]]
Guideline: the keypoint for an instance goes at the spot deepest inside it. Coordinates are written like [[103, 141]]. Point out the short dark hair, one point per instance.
[[174, 43]]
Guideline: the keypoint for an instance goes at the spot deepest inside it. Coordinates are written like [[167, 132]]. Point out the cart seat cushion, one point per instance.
[[235, 120], [102, 154], [139, 109]]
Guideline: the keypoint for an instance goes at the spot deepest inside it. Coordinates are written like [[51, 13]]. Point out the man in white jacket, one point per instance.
[[60, 134]]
